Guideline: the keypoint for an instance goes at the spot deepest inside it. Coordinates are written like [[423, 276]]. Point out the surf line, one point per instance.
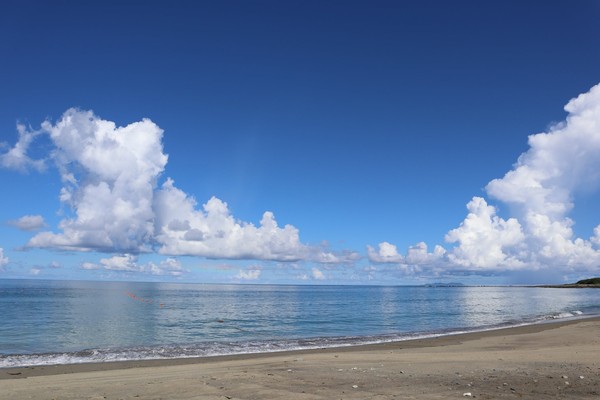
[[142, 299]]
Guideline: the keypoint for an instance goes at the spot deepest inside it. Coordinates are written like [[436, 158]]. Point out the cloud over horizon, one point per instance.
[[212, 232], [129, 263], [110, 191], [115, 200], [540, 190]]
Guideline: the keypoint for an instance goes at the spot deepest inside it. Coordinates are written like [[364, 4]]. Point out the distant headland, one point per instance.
[[584, 283]]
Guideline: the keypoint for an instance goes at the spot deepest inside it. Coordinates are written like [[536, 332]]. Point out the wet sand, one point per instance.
[[546, 361]]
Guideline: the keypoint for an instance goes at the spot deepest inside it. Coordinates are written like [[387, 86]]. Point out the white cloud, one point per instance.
[[317, 274], [484, 239], [250, 274], [324, 256], [418, 254], [109, 177], [3, 260], [16, 158], [35, 271], [542, 186], [125, 262], [541, 190], [596, 238], [29, 223], [557, 164], [129, 263], [170, 266], [213, 232], [109, 174], [89, 266], [387, 253]]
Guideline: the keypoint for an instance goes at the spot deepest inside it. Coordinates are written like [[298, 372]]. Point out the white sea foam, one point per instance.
[[243, 347]]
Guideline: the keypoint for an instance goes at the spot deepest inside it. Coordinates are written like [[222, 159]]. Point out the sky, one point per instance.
[[300, 142]]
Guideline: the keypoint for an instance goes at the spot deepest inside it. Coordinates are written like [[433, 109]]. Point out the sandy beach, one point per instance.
[[553, 360]]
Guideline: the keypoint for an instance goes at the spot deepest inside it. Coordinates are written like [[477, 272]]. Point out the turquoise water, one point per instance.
[[48, 322]]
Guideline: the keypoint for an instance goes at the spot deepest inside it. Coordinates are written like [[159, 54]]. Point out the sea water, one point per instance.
[[51, 322]]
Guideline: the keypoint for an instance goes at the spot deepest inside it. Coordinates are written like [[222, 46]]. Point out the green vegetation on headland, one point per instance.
[[591, 281], [584, 283]]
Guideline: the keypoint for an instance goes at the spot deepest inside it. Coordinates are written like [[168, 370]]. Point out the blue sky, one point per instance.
[[367, 127]]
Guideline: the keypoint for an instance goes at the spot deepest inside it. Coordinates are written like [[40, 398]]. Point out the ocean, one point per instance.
[[57, 322]]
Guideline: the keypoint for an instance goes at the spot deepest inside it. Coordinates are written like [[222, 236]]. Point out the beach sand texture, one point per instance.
[[546, 361]]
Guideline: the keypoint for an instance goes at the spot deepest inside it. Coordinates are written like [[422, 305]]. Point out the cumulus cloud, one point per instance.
[[545, 180], [386, 253], [324, 256], [125, 262], [170, 266], [129, 263], [416, 255], [484, 239], [110, 191], [419, 254], [250, 274], [184, 229], [108, 174], [557, 164], [29, 223], [541, 191]]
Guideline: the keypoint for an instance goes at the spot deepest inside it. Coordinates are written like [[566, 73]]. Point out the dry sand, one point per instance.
[[557, 360]]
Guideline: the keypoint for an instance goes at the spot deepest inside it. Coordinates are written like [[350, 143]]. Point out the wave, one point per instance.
[[211, 349]]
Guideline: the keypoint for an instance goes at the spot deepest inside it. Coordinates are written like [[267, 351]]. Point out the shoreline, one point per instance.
[[96, 365], [434, 341], [559, 359]]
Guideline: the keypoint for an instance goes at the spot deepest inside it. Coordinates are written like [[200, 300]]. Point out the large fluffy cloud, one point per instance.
[[109, 175], [543, 184], [113, 202], [212, 231], [484, 239], [540, 190]]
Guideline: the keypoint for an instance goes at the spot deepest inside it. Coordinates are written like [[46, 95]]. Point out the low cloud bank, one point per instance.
[[129, 263]]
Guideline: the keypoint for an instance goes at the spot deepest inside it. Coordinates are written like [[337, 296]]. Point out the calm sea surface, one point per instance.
[[49, 322]]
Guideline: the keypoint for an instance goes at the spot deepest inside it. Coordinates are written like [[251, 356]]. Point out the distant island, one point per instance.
[[584, 283]]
